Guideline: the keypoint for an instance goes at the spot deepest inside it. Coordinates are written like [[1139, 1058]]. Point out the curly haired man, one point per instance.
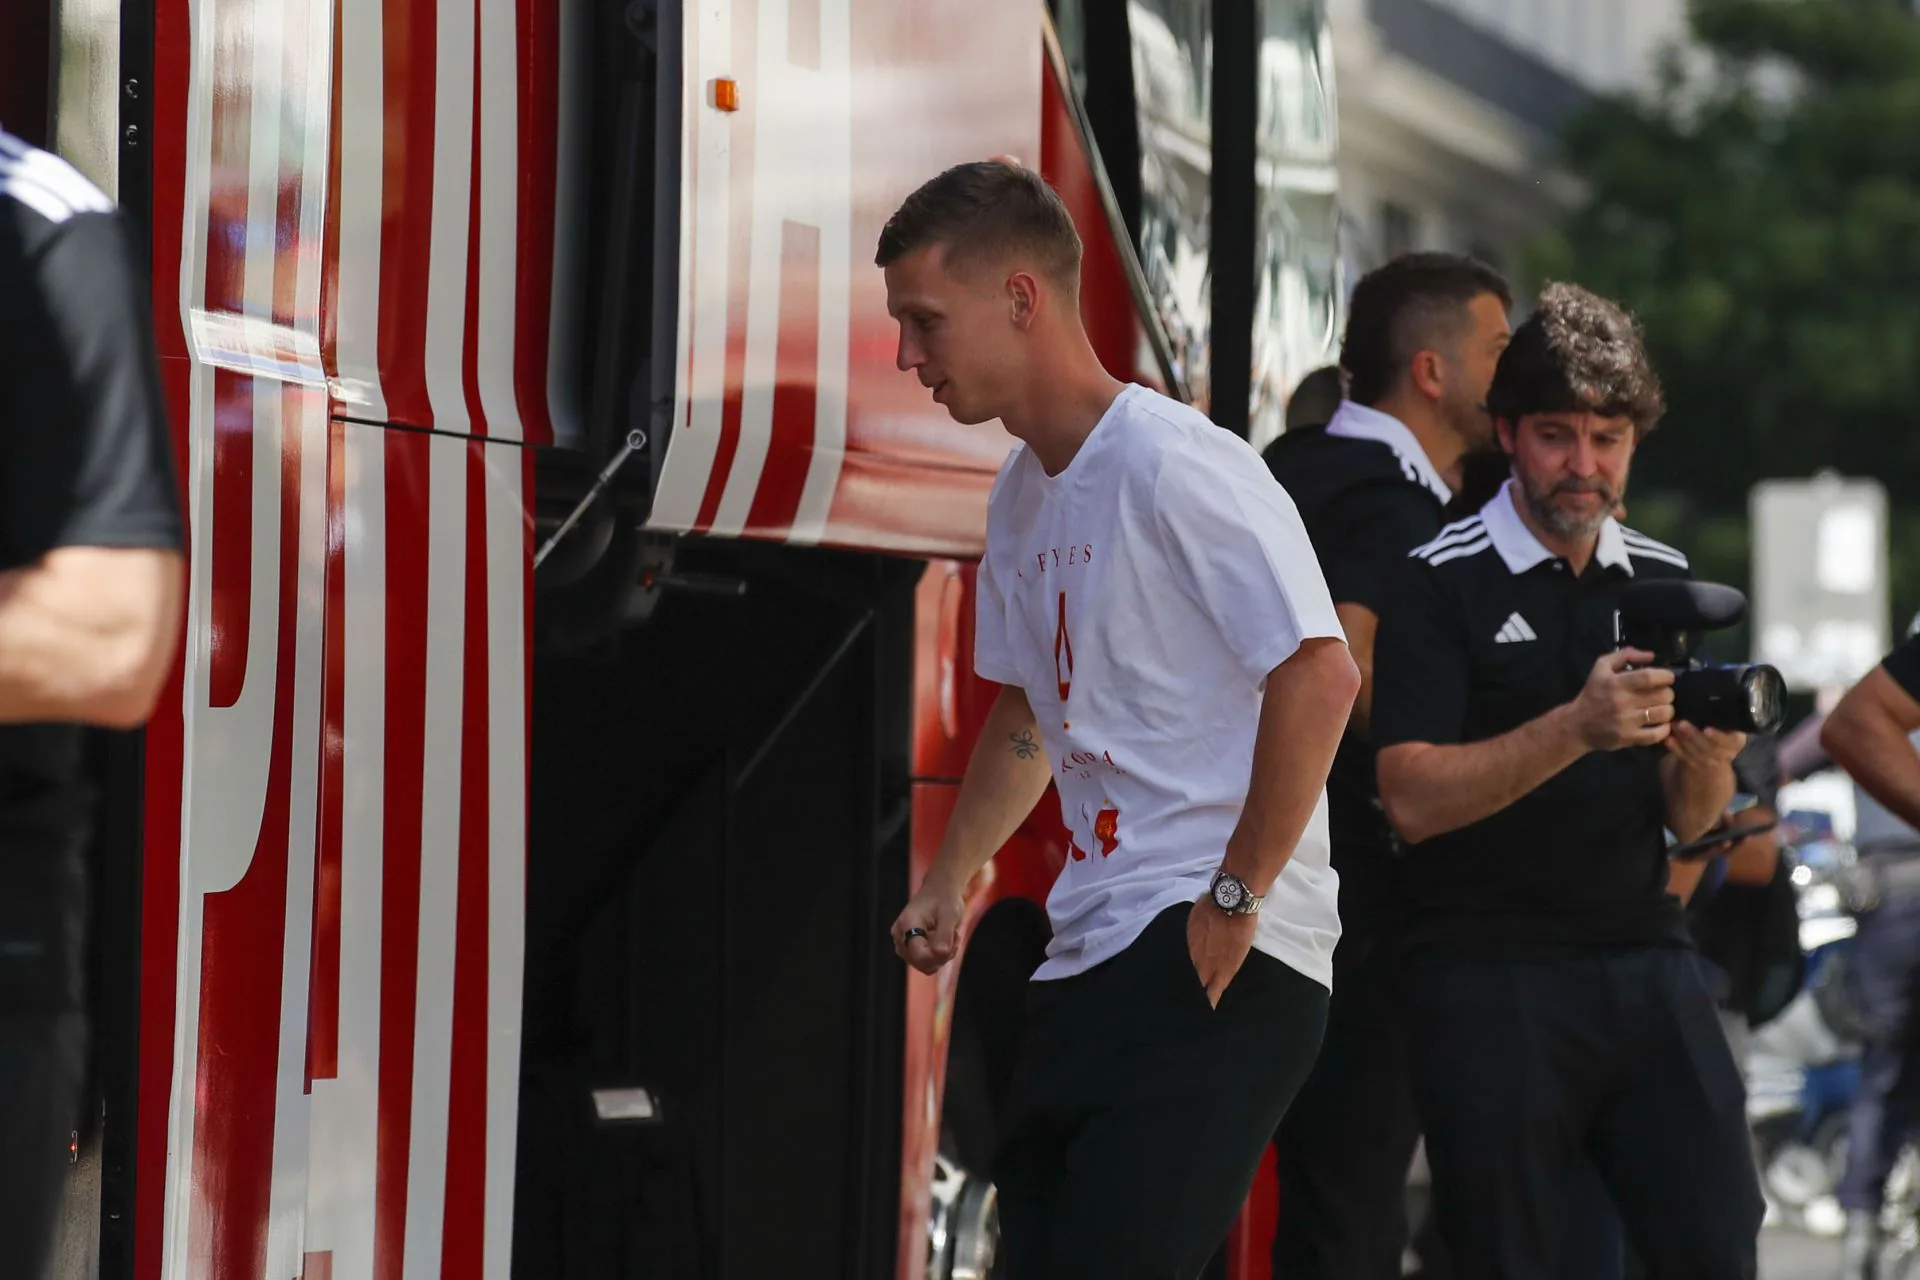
[[1556, 1011]]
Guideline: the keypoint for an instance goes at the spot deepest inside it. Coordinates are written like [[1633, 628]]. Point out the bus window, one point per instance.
[[1297, 292], [1172, 81]]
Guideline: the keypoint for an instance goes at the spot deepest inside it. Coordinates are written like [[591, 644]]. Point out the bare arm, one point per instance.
[[1750, 864], [87, 635], [1301, 716], [1430, 789], [1867, 736], [1006, 776], [1360, 622], [1697, 777], [1752, 861]]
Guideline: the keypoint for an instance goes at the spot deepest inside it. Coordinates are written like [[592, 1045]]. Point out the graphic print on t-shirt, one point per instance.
[[1072, 556], [1106, 833], [1063, 653], [1139, 598]]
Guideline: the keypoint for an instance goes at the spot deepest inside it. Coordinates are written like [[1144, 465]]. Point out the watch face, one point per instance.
[[1228, 893]]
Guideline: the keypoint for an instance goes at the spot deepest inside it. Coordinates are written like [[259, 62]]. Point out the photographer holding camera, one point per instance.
[[1554, 1005]]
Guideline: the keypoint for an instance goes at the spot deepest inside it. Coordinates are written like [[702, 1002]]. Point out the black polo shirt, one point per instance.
[[1485, 631], [1368, 496], [85, 458], [85, 461], [1903, 665]]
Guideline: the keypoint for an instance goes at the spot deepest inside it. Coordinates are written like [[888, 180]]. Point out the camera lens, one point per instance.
[[1766, 692], [1741, 699]]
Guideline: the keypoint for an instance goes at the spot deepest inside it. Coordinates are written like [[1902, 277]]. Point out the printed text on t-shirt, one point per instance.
[[1059, 558]]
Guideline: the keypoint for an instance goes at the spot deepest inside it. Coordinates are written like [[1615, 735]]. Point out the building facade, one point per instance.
[[1449, 111]]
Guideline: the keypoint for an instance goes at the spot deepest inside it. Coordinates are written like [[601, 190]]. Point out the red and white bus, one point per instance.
[[500, 892]]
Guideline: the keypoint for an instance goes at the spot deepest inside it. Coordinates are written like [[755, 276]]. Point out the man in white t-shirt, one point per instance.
[[1171, 659]]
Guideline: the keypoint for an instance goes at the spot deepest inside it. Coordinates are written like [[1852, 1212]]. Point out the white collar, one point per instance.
[[1358, 422], [1522, 551]]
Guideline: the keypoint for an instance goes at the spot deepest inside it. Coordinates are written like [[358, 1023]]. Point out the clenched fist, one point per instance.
[[932, 917], [1621, 708]]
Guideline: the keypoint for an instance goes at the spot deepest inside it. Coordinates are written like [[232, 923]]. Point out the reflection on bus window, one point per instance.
[[1172, 77], [86, 108], [1297, 302], [1070, 24]]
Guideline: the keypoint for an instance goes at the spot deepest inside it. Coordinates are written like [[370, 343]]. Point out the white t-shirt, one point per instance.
[[1140, 598]]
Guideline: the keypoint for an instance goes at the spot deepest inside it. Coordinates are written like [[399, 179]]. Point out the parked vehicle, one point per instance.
[[578, 660], [1804, 1068]]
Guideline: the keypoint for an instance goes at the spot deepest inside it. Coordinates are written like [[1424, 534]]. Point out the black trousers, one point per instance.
[[1520, 1066], [42, 1070], [1592, 1245], [1139, 1111], [43, 1024], [1343, 1149]]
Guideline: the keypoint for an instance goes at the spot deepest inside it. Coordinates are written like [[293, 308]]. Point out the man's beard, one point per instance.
[[1557, 519]]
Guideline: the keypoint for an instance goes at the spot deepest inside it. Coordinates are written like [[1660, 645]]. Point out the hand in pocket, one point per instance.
[[1218, 944]]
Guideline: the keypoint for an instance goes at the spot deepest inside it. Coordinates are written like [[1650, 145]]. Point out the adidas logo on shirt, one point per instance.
[[1515, 630]]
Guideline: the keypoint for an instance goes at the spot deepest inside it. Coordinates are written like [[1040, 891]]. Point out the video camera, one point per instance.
[[1668, 618]]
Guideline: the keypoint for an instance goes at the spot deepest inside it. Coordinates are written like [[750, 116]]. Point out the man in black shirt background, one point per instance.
[[1873, 734], [90, 606], [1555, 1010], [1423, 335]]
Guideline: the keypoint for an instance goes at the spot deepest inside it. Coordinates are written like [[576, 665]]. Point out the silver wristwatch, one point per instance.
[[1230, 893]]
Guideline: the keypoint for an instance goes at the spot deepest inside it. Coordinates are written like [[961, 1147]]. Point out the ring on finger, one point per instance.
[[1646, 715], [911, 934]]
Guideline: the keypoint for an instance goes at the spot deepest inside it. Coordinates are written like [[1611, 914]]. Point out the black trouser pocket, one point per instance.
[[1171, 958], [1141, 1111]]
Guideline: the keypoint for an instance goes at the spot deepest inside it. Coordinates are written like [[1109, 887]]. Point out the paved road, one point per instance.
[[1786, 1253]]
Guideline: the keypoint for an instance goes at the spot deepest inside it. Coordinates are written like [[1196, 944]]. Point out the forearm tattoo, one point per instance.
[[1024, 745]]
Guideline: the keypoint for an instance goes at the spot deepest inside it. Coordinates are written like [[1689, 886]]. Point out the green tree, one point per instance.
[[1759, 210]]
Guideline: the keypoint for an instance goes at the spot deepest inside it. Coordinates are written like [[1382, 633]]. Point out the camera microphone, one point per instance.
[[1668, 618]]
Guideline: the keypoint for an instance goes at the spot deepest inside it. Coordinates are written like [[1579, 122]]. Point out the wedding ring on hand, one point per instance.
[[1646, 716], [911, 934]]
